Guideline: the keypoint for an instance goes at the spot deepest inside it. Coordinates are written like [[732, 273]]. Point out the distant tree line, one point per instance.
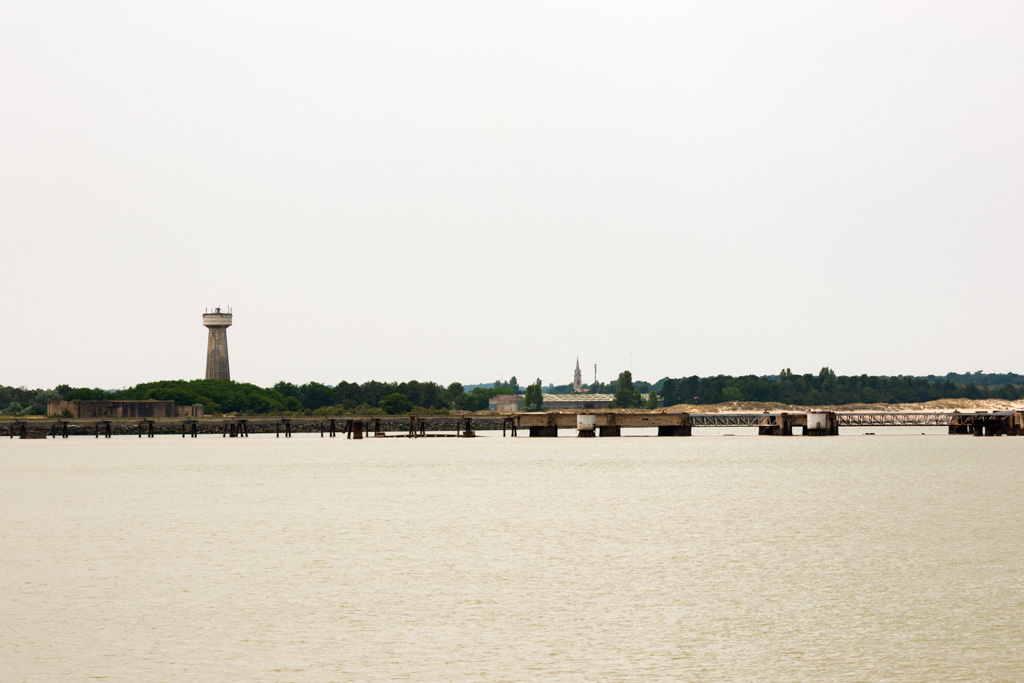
[[373, 397], [827, 388], [225, 396], [982, 379]]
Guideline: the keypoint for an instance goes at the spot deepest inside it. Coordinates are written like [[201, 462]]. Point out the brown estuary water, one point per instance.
[[850, 558]]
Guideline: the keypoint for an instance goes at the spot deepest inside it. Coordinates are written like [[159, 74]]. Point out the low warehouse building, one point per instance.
[[506, 403], [151, 408]]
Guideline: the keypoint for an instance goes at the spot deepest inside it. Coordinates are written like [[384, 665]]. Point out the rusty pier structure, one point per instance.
[[241, 427]]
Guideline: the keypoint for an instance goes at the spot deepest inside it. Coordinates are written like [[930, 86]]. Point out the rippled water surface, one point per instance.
[[630, 559]]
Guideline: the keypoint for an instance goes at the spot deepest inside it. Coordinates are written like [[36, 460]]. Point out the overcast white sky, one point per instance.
[[460, 191]]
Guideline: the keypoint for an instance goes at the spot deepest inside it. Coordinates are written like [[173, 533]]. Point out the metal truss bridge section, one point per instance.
[[733, 420], [895, 419], [919, 419]]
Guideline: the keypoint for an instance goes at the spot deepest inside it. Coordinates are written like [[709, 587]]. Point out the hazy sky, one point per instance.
[[460, 191]]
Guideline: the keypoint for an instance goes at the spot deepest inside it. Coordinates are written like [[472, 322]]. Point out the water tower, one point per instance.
[[218, 322]]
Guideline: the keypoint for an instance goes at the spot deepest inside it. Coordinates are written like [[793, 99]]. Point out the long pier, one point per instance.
[[815, 423], [547, 424]]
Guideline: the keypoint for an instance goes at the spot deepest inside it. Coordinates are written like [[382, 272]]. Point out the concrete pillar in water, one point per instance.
[[783, 426], [585, 424], [822, 424], [218, 323], [542, 424]]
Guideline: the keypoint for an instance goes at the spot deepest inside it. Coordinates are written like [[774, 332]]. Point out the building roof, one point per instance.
[[578, 398]]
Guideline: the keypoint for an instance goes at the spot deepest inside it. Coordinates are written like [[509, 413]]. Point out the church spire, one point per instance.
[[577, 379]]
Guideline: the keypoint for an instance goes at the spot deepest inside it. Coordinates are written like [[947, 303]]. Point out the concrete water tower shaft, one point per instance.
[[218, 322]]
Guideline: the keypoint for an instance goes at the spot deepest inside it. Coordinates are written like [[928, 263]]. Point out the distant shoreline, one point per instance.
[[939, 405]]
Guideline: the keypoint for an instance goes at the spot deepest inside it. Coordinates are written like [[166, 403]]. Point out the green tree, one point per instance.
[[670, 392], [316, 395], [625, 395], [287, 389], [689, 389], [652, 401], [470, 402], [37, 406], [396, 404], [453, 392], [732, 393], [534, 399]]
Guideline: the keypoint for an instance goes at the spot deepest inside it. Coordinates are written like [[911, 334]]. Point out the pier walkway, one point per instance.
[[546, 424], [823, 423]]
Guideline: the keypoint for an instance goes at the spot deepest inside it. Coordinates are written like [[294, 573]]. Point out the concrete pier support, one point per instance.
[[609, 425], [675, 430], [1016, 424], [984, 423], [990, 428], [783, 426], [541, 424], [678, 425], [586, 425], [822, 424]]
